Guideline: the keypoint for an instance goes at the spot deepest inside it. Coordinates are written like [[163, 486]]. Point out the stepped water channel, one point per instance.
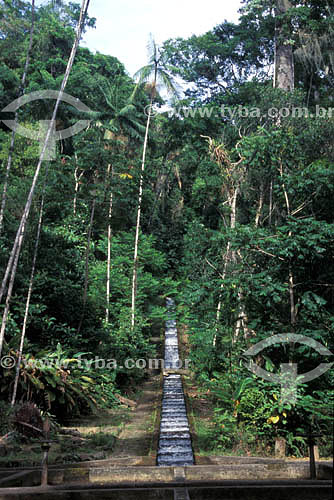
[[174, 447]]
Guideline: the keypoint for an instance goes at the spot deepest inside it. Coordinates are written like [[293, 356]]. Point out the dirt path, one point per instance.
[[137, 437]]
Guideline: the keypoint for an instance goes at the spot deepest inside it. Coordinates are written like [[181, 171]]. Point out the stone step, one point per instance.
[[174, 428], [174, 418], [176, 451], [173, 403], [181, 455], [179, 423], [174, 411], [170, 442], [174, 462], [175, 434]]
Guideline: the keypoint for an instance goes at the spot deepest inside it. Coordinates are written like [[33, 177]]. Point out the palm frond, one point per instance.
[[128, 109], [159, 69], [170, 85], [144, 73], [152, 50]]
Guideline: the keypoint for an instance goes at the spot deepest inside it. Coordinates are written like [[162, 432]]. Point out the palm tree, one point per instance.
[[155, 73], [125, 119]]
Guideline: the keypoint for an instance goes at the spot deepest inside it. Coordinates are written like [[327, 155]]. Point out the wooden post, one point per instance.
[[45, 448], [280, 445], [316, 453], [313, 471]]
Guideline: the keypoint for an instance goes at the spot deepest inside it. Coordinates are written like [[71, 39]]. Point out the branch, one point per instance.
[[29, 425], [213, 267], [266, 253]]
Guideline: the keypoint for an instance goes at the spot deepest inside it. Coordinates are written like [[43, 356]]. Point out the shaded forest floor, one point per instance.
[[120, 432]]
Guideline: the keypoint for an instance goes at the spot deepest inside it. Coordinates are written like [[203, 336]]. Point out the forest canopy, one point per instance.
[[223, 200]]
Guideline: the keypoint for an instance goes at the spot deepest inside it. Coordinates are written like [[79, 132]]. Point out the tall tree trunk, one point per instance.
[[15, 253], [242, 320], [179, 181], [76, 186], [109, 247], [89, 237], [270, 201], [26, 313], [12, 141], [9, 292], [293, 313], [284, 65], [140, 196], [220, 301], [229, 256], [260, 206]]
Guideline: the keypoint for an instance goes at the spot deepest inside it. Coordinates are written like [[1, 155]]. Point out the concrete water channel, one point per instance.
[[176, 475], [174, 447]]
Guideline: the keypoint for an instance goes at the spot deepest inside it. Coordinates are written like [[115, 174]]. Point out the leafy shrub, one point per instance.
[[60, 384], [103, 440]]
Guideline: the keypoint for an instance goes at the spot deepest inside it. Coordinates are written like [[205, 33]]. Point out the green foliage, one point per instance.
[[6, 417], [233, 283], [106, 441], [60, 384]]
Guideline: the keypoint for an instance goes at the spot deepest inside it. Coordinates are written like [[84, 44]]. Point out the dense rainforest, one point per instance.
[[208, 178]]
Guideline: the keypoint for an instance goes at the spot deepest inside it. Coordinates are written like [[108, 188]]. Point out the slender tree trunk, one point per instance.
[[140, 195], [9, 292], [89, 237], [270, 201], [293, 314], [26, 313], [13, 259], [76, 187], [242, 320], [12, 142], [179, 181], [109, 248], [260, 206], [229, 256], [220, 301], [292, 297]]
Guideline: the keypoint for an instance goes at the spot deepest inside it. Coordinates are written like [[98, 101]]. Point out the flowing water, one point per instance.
[[174, 447]]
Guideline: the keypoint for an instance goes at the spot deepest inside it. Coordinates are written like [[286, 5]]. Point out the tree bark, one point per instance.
[[260, 206], [26, 313], [9, 292], [76, 188], [229, 256], [293, 314], [109, 248], [270, 201], [284, 64], [140, 196], [89, 237]]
